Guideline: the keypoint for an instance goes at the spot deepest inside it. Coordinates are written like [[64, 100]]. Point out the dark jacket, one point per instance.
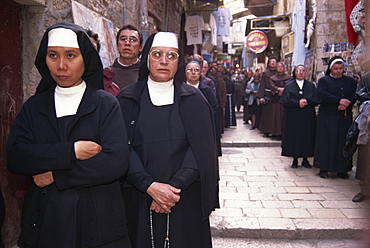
[[195, 113], [34, 147]]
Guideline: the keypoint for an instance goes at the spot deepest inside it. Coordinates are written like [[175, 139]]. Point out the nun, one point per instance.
[[71, 139], [336, 93], [171, 184], [299, 100]]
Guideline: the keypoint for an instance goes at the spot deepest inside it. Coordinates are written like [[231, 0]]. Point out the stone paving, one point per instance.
[[262, 197]]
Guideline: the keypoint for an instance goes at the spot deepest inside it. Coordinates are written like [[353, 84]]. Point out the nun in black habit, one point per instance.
[[299, 99], [70, 137], [172, 179], [337, 95]]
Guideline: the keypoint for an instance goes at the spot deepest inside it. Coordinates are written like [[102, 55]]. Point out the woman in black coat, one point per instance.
[[337, 95], [70, 136], [172, 177], [299, 99], [192, 74]]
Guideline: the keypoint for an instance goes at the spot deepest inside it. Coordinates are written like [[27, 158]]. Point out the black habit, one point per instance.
[[333, 124], [172, 144], [299, 127], [84, 207]]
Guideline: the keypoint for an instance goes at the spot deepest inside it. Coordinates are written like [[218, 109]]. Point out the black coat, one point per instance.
[[299, 127], [35, 146], [333, 124], [197, 118]]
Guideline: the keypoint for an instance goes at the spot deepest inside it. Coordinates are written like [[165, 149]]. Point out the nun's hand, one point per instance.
[[165, 195], [342, 107], [156, 208], [86, 149], [345, 102], [303, 103], [43, 179]]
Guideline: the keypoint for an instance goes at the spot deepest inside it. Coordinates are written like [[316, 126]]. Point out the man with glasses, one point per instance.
[[129, 45]]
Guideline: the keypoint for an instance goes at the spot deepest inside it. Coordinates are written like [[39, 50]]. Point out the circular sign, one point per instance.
[[257, 41]]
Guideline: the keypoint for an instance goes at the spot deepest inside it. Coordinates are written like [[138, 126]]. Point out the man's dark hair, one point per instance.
[[95, 36], [130, 27]]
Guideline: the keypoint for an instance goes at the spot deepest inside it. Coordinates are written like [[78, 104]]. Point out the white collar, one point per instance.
[[119, 62], [194, 85], [161, 93]]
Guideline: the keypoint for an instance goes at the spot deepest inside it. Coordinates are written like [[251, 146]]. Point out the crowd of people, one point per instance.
[[312, 120], [127, 156]]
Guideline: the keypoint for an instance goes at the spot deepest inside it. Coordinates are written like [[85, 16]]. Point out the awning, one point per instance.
[[260, 7], [266, 23]]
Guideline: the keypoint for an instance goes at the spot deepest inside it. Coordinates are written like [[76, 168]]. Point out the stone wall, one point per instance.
[[330, 27], [173, 17], [36, 18]]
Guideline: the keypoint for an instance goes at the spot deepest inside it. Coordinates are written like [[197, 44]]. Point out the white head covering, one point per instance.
[[335, 61], [165, 39], [62, 37]]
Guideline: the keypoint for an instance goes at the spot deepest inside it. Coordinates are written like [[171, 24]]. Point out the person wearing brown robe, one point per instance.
[[277, 83], [264, 94]]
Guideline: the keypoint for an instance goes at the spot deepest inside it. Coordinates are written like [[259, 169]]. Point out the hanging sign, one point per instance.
[[257, 41]]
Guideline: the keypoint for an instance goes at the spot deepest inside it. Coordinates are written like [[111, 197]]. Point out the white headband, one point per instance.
[[62, 37], [335, 61], [165, 39]]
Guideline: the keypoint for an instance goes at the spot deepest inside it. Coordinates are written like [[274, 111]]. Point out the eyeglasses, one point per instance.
[[300, 70], [131, 39], [193, 70], [158, 54]]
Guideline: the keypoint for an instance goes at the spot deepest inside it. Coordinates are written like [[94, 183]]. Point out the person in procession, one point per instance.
[[264, 95], [337, 95], [299, 99], [70, 137], [254, 108], [277, 83], [129, 41], [172, 180]]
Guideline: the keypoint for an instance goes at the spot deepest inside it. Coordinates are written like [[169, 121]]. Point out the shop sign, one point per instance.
[[257, 41]]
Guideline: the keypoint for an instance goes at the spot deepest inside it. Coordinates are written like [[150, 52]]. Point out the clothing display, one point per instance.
[[193, 26], [298, 27], [223, 18], [213, 26]]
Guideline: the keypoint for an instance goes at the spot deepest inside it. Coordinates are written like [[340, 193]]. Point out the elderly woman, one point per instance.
[[299, 99], [193, 73], [337, 95], [70, 137], [172, 177]]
